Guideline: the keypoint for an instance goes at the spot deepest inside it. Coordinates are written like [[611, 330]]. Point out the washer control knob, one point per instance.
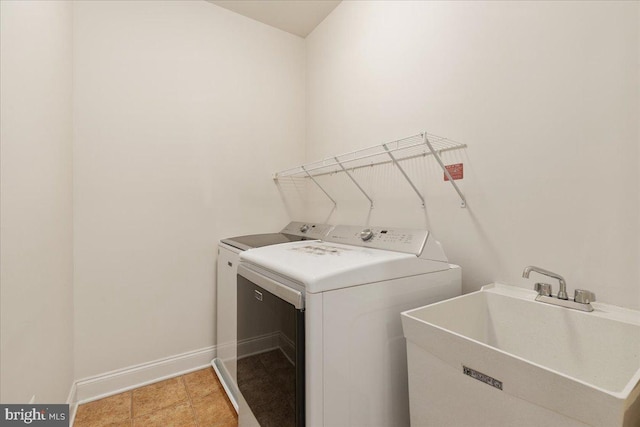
[[304, 228], [366, 234]]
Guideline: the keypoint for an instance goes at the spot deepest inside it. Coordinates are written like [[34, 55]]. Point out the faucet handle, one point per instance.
[[584, 297], [543, 289]]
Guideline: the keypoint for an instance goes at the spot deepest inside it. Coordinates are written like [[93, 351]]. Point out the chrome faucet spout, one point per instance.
[[562, 293]]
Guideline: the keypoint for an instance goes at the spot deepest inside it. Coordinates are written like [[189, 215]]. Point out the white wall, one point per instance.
[[545, 94], [36, 294], [183, 110]]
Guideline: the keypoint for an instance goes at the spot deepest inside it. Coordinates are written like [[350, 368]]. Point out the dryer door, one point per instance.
[[270, 349]]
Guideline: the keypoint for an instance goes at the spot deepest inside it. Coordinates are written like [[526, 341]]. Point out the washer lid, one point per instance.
[[259, 240], [293, 232], [321, 266]]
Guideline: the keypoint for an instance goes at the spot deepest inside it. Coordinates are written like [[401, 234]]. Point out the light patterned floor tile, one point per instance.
[[156, 396], [201, 383], [179, 415], [104, 412], [214, 410]]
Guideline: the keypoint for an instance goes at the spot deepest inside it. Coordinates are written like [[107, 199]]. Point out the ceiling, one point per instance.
[[297, 17]]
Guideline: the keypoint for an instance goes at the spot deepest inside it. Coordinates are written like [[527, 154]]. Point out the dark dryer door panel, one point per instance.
[[271, 350]]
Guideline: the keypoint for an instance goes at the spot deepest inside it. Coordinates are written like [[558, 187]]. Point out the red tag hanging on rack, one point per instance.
[[456, 171]]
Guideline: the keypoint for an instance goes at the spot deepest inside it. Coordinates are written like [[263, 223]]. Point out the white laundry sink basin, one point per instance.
[[497, 357]]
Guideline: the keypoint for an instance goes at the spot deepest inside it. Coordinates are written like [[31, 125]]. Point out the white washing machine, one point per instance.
[[228, 257], [320, 339]]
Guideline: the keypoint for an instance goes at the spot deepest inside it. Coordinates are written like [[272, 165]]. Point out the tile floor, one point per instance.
[[196, 399]]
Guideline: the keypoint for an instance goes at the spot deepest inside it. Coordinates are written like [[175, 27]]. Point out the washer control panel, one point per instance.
[[309, 230], [389, 238]]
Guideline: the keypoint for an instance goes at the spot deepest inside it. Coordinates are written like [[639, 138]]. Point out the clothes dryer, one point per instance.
[[320, 339], [228, 257]]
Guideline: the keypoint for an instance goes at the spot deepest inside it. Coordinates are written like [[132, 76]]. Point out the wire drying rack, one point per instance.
[[419, 145]]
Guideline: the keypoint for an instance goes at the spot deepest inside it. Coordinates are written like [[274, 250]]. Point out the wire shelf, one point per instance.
[[419, 145]]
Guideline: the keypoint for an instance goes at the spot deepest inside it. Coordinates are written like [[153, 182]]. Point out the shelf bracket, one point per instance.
[[395, 162], [319, 186], [354, 181], [463, 201]]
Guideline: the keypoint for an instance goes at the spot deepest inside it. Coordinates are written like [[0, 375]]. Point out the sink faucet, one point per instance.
[[581, 301], [562, 293]]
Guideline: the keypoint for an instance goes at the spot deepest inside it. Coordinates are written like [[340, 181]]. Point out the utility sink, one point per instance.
[[497, 357]]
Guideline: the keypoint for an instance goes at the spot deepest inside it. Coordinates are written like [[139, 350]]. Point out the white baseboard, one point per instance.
[[114, 382]]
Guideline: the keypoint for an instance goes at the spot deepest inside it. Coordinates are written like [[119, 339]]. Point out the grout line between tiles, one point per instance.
[[169, 405], [193, 410]]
